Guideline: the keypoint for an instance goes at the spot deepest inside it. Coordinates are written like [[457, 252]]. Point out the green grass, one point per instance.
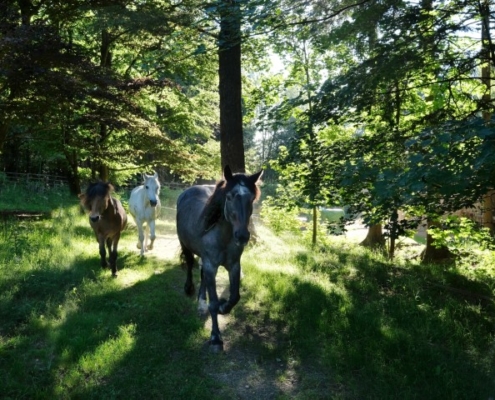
[[378, 330], [32, 196], [339, 322]]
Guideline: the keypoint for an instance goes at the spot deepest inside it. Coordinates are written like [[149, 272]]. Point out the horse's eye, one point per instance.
[[229, 197], [146, 186]]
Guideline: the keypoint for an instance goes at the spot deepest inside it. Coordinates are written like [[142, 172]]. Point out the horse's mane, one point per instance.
[[213, 210], [95, 189]]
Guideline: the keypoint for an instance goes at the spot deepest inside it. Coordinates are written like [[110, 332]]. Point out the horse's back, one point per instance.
[[134, 199], [190, 206]]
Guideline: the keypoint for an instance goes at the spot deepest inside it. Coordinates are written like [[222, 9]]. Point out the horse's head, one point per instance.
[[240, 193], [152, 188], [96, 199]]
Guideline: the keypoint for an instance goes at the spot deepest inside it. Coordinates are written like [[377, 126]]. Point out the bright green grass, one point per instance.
[[33, 197], [377, 330], [337, 323], [69, 330]]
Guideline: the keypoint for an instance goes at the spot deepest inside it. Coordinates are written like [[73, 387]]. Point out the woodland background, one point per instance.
[[382, 107]]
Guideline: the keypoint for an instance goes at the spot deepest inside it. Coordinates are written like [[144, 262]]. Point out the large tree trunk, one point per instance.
[[230, 88], [374, 239], [431, 253], [486, 79], [106, 63]]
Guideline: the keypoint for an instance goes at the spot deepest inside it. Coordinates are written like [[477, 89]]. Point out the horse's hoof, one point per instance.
[[216, 346], [189, 289], [221, 306], [202, 307]]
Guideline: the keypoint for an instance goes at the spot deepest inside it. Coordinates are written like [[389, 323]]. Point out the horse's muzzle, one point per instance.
[[241, 238], [94, 218], [153, 203]]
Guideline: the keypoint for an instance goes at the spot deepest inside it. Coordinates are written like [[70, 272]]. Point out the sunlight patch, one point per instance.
[[287, 269], [129, 277], [95, 366]]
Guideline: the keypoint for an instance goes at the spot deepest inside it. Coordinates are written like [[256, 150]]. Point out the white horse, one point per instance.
[[144, 206]]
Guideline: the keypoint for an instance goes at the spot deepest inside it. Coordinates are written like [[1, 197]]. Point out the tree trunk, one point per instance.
[[486, 79], [393, 234], [106, 63], [230, 87], [73, 173], [315, 225], [374, 239], [488, 205], [432, 254]]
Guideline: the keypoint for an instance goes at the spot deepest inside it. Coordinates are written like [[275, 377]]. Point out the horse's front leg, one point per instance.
[[140, 244], [152, 233], [209, 273], [103, 254], [225, 306], [112, 245]]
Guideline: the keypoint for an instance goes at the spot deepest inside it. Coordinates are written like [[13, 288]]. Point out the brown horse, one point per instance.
[[108, 219]]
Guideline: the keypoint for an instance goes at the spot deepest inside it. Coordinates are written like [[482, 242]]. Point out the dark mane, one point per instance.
[[213, 211], [96, 189]]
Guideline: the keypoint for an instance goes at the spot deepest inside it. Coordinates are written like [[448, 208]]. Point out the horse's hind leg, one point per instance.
[[202, 304], [188, 258]]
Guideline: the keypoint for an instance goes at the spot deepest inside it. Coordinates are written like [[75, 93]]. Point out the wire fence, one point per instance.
[[44, 179]]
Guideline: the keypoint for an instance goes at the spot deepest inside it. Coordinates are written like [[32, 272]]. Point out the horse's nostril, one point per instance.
[[153, 203], [242, 237], [94, 218]]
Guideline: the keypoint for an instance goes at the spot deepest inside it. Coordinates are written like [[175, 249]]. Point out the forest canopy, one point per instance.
[[378, 106]]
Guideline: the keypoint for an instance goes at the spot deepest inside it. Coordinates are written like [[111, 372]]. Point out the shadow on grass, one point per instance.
[[78, 333], [372, 330]]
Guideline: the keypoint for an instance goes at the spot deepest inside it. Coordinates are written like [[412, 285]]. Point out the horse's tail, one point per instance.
[[186, 257]]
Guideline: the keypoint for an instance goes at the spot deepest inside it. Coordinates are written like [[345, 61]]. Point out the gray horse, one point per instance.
[[212, 223]]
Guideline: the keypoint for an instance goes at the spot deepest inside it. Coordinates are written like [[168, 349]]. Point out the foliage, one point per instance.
[[101, 86], [463, 237], [279, 218]]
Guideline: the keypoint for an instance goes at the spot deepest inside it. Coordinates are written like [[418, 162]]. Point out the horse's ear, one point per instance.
[[227, 173], [255, 177], [155, 175]]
